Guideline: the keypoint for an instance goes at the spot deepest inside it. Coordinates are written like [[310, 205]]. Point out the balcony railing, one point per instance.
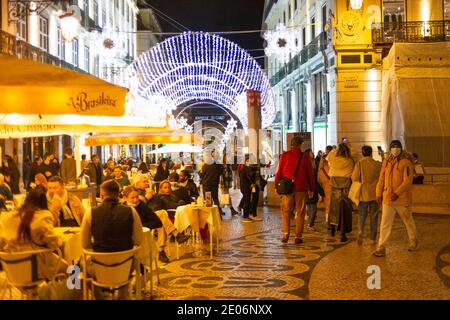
[[318, 44], [23, 50], [411, 31]]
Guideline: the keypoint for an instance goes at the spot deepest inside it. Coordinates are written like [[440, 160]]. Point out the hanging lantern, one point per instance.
[[356, 4], [70, 24]]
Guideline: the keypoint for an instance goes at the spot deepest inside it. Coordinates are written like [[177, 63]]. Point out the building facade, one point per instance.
[[332, 86], [33, 31]]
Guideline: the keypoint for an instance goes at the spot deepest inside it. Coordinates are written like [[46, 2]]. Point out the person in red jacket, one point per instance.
[[303, 182]]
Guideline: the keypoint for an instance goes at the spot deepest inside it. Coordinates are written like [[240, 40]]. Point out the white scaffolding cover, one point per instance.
[[416, 100]]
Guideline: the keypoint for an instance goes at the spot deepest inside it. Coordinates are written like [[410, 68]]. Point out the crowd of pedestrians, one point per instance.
[[342, 180]]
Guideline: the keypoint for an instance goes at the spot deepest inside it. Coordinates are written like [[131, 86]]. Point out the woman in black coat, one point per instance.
[[148, 217], [14, 176], [162, 171], [165, 199]]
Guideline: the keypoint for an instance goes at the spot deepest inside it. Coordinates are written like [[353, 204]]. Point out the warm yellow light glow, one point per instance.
[[70, 24], [425, 10], [356, 4]]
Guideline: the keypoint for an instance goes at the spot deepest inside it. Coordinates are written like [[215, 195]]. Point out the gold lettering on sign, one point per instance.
[[81, 103]]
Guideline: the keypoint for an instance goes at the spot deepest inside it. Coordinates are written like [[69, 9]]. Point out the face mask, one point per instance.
[[396, 151]]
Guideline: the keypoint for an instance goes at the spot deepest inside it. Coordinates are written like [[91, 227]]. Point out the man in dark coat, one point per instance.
[[95, 172], [211, 173]]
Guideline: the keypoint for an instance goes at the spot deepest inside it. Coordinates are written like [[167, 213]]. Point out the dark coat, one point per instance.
[[148, 217], [95, 173], [247, 177], [162, 174], [43, 168], [211, 175], [164, 202]]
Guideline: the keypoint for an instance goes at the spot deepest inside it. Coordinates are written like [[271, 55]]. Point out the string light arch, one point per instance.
[[198, 66]]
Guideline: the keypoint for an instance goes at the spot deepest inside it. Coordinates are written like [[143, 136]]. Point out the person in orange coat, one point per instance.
[[394, 192]]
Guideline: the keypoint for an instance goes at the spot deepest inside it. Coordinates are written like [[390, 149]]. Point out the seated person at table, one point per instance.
[[30, 228], [179, 191], [5, 190], [120, 177], [187, 182], [157, 205], [40, 183], [66, 208], [148, 218], [111, 227], [165, 199]]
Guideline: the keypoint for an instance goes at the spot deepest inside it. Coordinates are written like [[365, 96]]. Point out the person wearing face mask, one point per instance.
[[148, 218], [394, 194]]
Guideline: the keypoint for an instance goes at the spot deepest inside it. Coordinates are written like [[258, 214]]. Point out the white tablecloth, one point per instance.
[[71, 248], [197, 217], [149, 248]]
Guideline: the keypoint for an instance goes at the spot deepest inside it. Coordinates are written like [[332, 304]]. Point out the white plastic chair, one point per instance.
[[111, 270], [153, 258], [21, 270]]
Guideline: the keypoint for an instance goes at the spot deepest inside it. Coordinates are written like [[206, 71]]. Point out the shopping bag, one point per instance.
[[355, 192]]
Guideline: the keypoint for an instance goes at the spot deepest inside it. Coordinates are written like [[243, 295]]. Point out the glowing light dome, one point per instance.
[[201, 66]]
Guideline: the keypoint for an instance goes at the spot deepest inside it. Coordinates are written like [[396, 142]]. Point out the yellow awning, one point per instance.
[[41, 130], [28, 87], [172, 137]]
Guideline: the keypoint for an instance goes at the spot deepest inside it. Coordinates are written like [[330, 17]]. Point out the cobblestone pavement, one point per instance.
[[254, 264]]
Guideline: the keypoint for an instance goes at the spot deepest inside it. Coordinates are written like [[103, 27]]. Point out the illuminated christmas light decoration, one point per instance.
[[109, 44], [201, 66], [281, 43]]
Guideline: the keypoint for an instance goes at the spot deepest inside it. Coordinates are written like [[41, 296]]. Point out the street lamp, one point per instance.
[[70, 24], [356, 4]]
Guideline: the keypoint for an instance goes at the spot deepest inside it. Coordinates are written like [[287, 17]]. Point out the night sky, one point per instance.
[[217, 15]]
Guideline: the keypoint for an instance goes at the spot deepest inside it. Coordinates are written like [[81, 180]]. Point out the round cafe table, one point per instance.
[[71, 248], [197, 217]]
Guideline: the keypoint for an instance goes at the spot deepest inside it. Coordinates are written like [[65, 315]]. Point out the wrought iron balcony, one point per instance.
[[23, 50], [411, 31], [317, 45]]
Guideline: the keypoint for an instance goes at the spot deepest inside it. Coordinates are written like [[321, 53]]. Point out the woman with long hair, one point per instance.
[[341, 169], [31, 227], [40, 183]]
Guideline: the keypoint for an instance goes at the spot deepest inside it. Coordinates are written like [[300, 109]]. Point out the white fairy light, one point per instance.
[[281, 43], [201, 66], [109, 44]]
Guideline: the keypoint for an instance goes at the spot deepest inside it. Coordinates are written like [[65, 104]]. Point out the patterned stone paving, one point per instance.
[[254, 264]]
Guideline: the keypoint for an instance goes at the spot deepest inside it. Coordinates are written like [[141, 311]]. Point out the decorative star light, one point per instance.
[[109, 44], [197, 66], [281, 43]]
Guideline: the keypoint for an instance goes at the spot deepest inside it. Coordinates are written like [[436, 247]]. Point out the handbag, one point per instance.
[[354, 193], [285, 185]]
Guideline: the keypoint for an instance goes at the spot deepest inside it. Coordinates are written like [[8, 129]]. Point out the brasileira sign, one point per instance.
[[81, 103]]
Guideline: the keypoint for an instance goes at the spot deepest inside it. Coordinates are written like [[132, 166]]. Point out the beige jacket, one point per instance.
[[75, 205], [42, 236], [340, 166], [396, 177], [367, 171]]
